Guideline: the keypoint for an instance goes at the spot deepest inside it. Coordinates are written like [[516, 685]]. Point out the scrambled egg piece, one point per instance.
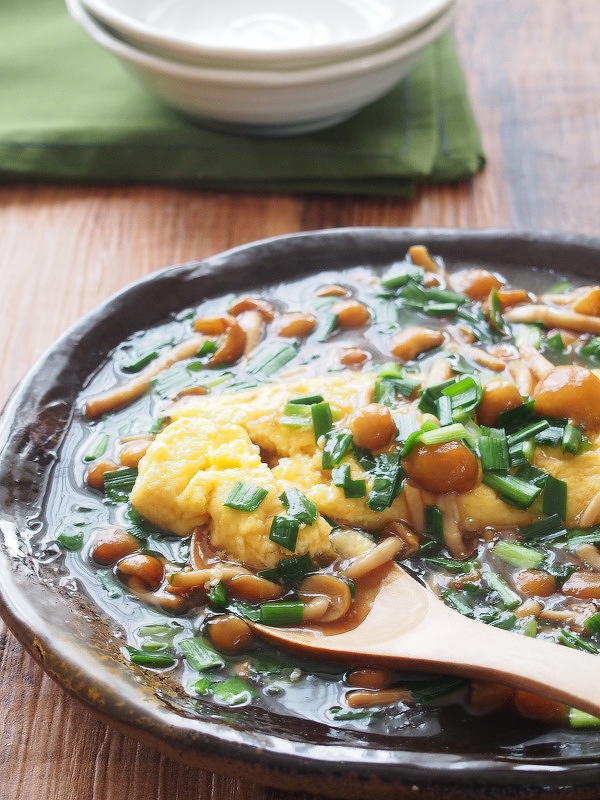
[[188, 473], [215, 441]]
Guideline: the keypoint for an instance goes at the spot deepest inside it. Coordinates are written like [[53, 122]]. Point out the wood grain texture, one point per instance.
[[533, 70]]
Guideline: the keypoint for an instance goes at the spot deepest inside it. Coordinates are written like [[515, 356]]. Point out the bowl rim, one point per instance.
[[321, 73], [421, 14], [330, 769]]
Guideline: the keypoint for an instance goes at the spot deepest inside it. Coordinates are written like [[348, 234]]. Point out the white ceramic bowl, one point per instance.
[[264, 33], [267, 102]]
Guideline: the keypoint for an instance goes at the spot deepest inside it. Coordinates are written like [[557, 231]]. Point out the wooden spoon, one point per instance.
[[408, 627]]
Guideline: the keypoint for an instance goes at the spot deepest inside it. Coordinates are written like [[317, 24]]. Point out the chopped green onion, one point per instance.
[[554, 500], [528, 432], [299, 506], [296, 416], [322, 419], [573, 440], [406, 424], [528, 472], [591, 351], [429, 396], [576, 537], [592, 624], [518, 555], [429, 690], [504, 620], [217, 595], [144, 659], [284, 532], [571, 639], [270, 358], [245, 496], [512, 490], [118, 483], [456, 601], [528, 333], [200, 654], [449, 433], [337, 443], [548, 529], [444, 410], [581, 719], [415, 437], [400, 274], [97, 448], [282, 612], [141, 362], [493, 449], [71, 539], [508, 598], [465, 394], [513, 419], [529, 627], [450, 564], [339, 714], [434, 523], [308, 400], [289, 570], [352, 487], [387, 481], [495, 307], [110, 584], [233, 691]]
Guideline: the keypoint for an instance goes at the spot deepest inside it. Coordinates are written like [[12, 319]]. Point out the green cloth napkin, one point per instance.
[[69, 112]]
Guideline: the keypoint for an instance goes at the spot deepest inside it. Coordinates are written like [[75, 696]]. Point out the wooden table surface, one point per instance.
[[533, 69]]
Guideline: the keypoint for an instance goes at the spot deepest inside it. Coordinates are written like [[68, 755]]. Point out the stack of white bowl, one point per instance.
[[271, 67]]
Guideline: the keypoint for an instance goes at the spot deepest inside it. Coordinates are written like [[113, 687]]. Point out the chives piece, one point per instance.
[[296, 416], [289, 569], [455, 600], [118, 483], [528, 432], [387, 481], [444, 410], [400, 274], [547, 529], [505, 620], [493, 449], [326, 325], [528, 472], [529, 627], [282, 612], [200, 654], [270, 358], [552, 436], [592, 624], [144, 659], [572, 439], [233, 691], [245, 496], [415, 437], [284, 532], [71, 539], [406, 425], [576, 537], [509, 598], [518, 555], [495, 311], [299, 506], [513, 490], [450, 564], [581, 719], [352, 488], [432, 689], [335, 448], [141, 362], [434, 523], [384, 392], [429, 396], [512, 419], [449, 433], [591, 351], [217, 595], [465, 394], [571, 639], [554, 500], [555, 343], [97, 448], [321, 418], [308, 400]]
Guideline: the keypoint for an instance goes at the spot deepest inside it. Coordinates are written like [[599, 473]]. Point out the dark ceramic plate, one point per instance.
[[67, 634]]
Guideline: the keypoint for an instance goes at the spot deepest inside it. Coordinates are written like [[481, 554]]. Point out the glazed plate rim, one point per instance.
[[332, 769]]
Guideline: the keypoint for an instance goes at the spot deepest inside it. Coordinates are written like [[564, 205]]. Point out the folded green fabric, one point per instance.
[[69, 112]]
